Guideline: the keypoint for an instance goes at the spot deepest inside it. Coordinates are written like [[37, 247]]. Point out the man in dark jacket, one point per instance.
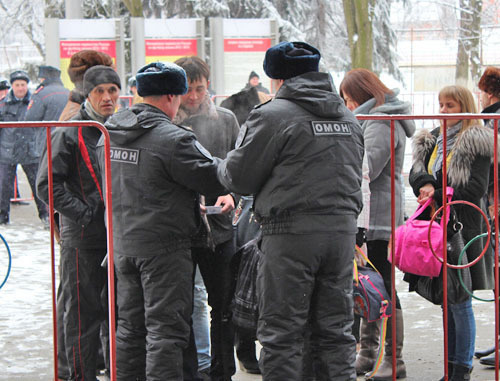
[[216, 129], [253, 81], [301, 155], [17, 145], [158, 169], [79, 200], [47, 102]]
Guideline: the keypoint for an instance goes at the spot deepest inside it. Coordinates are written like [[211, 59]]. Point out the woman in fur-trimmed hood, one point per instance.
[[469, 155]]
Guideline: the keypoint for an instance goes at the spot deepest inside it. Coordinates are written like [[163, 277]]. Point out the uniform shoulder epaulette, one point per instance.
[[40, 88]]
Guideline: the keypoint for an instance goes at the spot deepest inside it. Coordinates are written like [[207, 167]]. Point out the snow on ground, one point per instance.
[[26, 311], [26, 304]]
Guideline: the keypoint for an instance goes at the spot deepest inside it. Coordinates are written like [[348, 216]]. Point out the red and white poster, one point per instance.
[[68, 48], [159, 49], [241, 57]]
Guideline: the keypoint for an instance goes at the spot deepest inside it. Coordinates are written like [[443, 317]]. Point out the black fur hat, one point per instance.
[[48, 72], [289, 59], [98, 75], [161, 78]]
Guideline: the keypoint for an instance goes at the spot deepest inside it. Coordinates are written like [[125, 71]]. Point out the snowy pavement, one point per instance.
[[26, 313]]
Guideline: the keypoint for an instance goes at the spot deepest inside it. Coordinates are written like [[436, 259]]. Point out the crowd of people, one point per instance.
[[181, 165]]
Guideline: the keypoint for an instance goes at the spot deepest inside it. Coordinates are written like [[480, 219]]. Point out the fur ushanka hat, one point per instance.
[[490, 81], [81, 61], [289, 59], [161, 78]]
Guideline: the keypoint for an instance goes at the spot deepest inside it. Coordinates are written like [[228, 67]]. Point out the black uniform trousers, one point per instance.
[[216, 272], [304, 284], [7, 176], [154, 298], [80, 312]]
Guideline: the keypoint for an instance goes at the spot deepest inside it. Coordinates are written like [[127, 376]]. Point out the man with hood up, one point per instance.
[[78, 198], [158, 171], [301, 155]]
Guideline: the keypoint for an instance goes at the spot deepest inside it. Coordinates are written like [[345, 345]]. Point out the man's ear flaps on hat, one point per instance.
[[160, 78], [289, 59]]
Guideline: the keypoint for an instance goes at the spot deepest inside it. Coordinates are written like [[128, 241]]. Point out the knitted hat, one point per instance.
[[161, 78], [289, 59], [253, 74], [98, 75], [4, 83], [19, 74], [84, 59], [48, 72], [490, 81]]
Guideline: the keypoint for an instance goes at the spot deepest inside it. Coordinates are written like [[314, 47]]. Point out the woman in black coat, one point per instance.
[[469, 153]]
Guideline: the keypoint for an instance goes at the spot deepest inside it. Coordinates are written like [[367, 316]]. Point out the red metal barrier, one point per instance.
[[445, 117], [111, 277], [16, 196]]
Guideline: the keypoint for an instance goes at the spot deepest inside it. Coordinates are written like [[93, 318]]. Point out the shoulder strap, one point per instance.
[[86, 159]]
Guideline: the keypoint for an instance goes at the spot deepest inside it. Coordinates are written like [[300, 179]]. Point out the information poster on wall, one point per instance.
[[241, 57], [81, 34], [170, 39], [169, 50], [245, 45], [68, 48]]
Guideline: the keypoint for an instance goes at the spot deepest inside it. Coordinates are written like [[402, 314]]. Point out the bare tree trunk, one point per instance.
[[134, 7], [469, 37], [359, 31]]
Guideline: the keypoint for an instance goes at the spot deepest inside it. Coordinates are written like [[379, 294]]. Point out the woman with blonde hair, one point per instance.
[[364, 93], [469, 150]]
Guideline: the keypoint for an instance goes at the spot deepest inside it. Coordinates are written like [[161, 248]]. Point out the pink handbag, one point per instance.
[[412, 253]]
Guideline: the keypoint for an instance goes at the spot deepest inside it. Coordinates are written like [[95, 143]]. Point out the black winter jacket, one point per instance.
[[158, 169], [47, 103], [468, 173], [217, 130], [301, 155], [17, 145], [77, 191]]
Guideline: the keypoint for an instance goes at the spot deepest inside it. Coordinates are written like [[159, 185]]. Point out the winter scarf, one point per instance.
[[93, 114], [451, 137]]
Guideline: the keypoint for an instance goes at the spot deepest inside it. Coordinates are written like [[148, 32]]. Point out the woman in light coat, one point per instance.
[[364, 93]]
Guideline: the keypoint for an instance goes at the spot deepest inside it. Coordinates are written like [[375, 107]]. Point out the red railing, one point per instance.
[[111, 277], [445, 117], [391, 118]]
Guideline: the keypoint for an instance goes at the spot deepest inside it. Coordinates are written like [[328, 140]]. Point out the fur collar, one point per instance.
[[473, 142], [207, 108]]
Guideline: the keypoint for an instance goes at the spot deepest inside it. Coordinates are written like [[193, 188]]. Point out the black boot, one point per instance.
[[488, 360], [461, 373], [450, 371], [245, 350], [485, 352]]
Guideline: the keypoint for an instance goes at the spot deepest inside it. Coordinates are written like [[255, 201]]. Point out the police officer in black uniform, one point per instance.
[[301, 155], [158, 170], [17, 145], [47, 102]]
